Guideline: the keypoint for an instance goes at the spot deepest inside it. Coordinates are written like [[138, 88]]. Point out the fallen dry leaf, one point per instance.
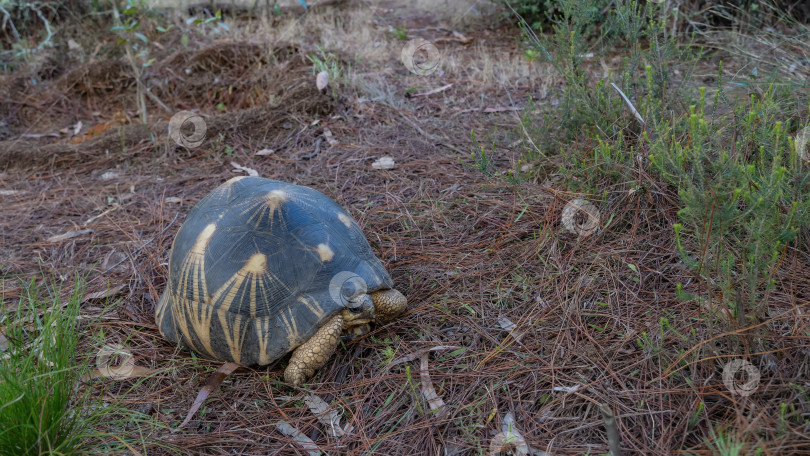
[[326, 414], [266, 152], [305, 442], [11, 192], [566, 389], [249, 171], [436, 403], [210, 385], [172, 199], [384, 163], [69, 235], [103, 293], [507, 325], [509, 437], [327, 133]]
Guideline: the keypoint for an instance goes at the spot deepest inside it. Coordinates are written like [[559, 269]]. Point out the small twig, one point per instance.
[[47, 39], [435, 139], [431, 92], [607, 8], [630, 105], [157, 101], [94, 218], [523, 127], [612, 430], [316, 152], [38, 11], [651, 135], [140, 87], [530, 34], [7, 19]]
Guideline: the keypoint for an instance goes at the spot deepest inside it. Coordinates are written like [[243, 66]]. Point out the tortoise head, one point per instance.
[[378, 307], [388, 304]]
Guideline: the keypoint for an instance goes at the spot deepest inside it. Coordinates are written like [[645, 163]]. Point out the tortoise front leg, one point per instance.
[[314, 353]]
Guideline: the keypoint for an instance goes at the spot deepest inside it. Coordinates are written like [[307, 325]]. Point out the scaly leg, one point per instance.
[[314, 353]]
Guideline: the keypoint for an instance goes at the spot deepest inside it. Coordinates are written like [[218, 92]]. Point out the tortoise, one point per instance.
[[261, 268]]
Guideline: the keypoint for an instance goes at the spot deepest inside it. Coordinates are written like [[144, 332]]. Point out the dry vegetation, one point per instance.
[[511, 317]]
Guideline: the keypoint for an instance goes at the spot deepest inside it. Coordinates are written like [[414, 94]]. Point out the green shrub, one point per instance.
[[39, 375], [537, 13], [591, 113], [44, 408], [743, 191], [534, 12]]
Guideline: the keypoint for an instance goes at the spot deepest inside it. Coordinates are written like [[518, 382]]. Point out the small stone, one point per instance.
[[384, 163]]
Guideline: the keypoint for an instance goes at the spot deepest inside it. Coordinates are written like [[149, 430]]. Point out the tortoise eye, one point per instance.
[[355, 309]]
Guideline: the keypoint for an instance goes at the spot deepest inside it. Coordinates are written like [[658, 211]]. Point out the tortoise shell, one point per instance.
[[258, 266]]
